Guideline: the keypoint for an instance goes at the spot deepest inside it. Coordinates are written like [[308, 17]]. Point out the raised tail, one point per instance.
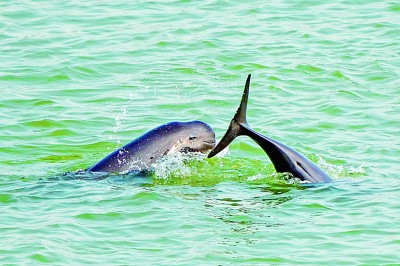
[[237, 125]]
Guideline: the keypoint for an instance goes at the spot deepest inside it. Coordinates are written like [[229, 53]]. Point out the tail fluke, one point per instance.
[[240, 115], [232, 132], [236, 126]]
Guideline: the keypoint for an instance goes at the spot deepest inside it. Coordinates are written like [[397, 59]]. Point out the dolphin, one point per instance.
[[284, 158], [141, 153]]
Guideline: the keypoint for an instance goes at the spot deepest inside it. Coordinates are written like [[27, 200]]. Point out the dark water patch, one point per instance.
[[84, 71], [326, 125], [7, 199], [43, 102], [35, 78], [59, 158], [26, 102], [44, 123], [331, 110], [378, 78], [394, 8], [185, 70], [309, 69], [95, 98], [311, 129], [108, 216], [41, 258], [210, 44], [338, 74], [352, 94], [316, 206], [63, 132]]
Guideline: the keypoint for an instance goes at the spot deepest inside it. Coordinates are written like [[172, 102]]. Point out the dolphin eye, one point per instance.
[[192, 137]]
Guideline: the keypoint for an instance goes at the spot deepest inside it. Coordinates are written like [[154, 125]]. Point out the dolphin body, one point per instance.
[[284, 158], [139, 154]]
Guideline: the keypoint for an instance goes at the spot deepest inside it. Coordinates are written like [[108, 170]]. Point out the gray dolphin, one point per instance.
[[141, 153], [282, 157]]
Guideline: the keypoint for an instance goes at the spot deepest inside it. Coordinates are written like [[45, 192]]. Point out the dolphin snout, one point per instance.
[[210, 142]]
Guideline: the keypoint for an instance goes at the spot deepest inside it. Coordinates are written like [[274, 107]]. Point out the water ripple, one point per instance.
[[79, 79]]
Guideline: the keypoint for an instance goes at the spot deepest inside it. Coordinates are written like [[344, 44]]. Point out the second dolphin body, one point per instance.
[[284, 158]]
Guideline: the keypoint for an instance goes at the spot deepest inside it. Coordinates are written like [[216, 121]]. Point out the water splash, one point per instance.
[[179, 164], [176, 165], [336, 171], [118, 116]]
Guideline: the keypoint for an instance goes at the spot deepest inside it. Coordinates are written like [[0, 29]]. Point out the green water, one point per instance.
[[80, 78]]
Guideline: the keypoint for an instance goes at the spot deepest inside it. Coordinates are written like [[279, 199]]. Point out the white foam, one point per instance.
[[255, 177], [175, 165], [339, 170]]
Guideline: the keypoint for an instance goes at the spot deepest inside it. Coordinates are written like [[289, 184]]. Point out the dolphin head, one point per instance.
[[194, 136]]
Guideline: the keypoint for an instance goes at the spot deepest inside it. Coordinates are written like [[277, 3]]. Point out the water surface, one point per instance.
[[81, 78]]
